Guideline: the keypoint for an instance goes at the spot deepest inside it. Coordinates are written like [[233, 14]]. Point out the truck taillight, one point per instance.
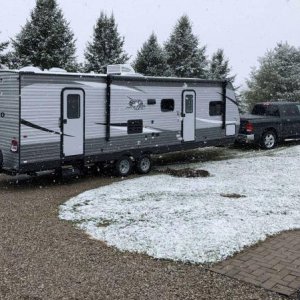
[[14, 145], [249, 127]]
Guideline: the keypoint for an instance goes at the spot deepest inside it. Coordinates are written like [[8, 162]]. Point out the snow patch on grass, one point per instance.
[[189, 219]]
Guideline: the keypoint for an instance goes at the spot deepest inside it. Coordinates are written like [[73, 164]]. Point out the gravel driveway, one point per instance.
[[42, 257]]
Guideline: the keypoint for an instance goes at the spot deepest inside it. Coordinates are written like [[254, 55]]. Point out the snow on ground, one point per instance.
[[188, 219]]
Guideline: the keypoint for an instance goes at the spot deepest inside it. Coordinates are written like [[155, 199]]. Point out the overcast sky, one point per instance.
[[244, 29]]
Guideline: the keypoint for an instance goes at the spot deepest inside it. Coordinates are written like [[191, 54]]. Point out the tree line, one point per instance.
[[47, 41]]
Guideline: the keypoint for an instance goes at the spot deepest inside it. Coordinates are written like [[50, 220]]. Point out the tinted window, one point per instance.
[[216, 108], [167, 105], [151, 101], [266, 110], [73, 106], [189, 104], [291, 110]]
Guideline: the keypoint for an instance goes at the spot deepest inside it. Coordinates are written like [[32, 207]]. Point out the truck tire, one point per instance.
[[268, 140], [123, 166], [144, 164]]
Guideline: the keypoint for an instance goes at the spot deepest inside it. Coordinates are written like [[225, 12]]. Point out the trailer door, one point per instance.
[[188, 114], [73, 122]]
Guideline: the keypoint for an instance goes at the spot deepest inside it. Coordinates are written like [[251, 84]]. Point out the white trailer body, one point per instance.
[[48, 120]]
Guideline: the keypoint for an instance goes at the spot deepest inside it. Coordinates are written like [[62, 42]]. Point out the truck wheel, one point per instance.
[[269, 140], [144, 164], [123, 166]]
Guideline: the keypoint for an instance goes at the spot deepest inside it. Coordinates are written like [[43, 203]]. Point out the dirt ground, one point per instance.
[[42, 257]]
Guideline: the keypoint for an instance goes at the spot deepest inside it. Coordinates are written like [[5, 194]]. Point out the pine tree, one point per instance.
[[3, 57], [46, 40], [277, 77], [185, 57], [106, 47], [151, 60], [219, 67]]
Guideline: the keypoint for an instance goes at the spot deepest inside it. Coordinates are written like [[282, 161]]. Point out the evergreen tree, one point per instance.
[[3, 57], [219, 67], [106, 47], [151, 60], [277, 78], [46, 40], [185, 57]]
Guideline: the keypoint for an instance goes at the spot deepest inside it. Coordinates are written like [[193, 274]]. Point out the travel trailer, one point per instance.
[[53, 119]]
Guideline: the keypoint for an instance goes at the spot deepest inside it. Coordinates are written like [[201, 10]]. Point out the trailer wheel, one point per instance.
[[123, 166], [144, 164], [58, 172], [269, 140]]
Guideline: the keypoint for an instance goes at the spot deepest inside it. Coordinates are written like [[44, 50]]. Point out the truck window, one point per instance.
[[266, 110], [291, 110]]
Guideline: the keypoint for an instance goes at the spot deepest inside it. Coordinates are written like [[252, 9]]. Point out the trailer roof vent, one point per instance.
[[121, 70], [30, 69], [57, 70]]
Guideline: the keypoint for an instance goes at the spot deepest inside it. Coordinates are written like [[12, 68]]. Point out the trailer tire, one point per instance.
[[123, 166], [268, 140], [58, 172], [144, 164]]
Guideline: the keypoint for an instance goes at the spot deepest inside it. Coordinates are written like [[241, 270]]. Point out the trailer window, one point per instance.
[[167, 105], [151, 101], [73, 106], [189, 104], [134, 126], [216, 108]]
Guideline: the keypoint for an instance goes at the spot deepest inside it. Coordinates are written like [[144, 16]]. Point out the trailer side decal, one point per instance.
[[123, 126], [136, 104], [114, 124], [29, 124]]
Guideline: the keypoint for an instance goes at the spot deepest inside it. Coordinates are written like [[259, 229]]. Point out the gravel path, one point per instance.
[[42, 257]]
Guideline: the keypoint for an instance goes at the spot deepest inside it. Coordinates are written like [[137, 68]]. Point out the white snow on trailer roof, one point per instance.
[[127, 76], [196, 219], [52, 71]]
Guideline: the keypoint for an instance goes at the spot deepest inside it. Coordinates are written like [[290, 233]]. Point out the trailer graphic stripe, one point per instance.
[[146, 129], [29, 124], [214, 121], [114, 124]]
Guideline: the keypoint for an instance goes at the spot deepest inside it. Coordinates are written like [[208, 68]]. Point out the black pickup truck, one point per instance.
[[270, 123]]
